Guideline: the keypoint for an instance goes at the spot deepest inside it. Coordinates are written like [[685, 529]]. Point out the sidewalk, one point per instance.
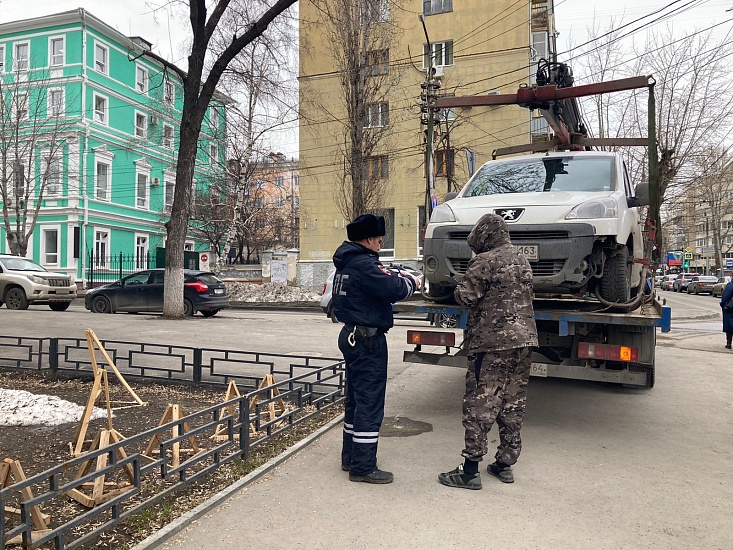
[[599, 470]]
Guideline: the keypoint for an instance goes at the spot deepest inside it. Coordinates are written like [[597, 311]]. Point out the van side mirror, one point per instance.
[[642, 196], [449, 196]]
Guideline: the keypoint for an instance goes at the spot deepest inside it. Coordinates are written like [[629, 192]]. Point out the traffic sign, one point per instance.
[[688, 255], [688, 249], [729, 262]]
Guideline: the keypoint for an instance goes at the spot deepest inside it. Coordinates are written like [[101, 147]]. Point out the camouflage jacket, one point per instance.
[[498, 289]]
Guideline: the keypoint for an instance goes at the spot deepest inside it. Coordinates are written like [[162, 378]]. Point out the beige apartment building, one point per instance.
[[478, 47]]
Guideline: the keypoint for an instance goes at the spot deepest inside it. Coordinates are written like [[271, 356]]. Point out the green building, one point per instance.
[[89, 130]]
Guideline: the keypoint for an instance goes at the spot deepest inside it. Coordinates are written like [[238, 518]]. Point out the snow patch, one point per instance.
[[269, 292], [23, 408]]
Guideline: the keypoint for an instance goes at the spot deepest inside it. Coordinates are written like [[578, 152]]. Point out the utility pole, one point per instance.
[[427, 118]]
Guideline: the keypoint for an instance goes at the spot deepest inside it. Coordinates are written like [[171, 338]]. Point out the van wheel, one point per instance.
[[446, 320], [617, 277], [15, 299]]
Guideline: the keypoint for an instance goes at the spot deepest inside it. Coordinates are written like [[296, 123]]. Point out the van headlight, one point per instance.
[[37, 280], [597, 208], [442, 213]]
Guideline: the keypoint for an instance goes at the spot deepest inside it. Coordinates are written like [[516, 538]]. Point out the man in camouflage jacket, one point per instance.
[[500, 333]]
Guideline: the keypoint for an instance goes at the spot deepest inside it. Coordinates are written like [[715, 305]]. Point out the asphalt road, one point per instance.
[[602, 466]]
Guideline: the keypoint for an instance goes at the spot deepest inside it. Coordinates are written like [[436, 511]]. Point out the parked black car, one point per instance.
[[143, 291]]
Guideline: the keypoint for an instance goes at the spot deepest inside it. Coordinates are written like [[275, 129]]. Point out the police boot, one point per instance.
[[376, 476]]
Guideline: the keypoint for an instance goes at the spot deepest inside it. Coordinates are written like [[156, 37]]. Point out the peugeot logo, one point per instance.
[[509, 214]]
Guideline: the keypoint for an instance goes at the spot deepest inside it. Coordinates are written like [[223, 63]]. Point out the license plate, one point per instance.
[[538, 370], [218, 291], [530, 251]]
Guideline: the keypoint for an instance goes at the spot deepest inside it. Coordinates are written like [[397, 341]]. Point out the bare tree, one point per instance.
[[33, 132], [359, 35], [710, 201], [241, 23]]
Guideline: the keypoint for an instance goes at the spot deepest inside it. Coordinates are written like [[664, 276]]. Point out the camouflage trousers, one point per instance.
[[496, 391]]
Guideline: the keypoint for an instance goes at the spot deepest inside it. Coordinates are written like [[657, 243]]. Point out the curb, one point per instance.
[[180, 523]]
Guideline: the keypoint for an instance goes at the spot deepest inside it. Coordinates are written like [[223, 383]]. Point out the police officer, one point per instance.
[[363, 293], [500, 333]]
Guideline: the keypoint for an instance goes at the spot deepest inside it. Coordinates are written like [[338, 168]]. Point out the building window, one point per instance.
[[101, 107], [444, 159], [53, 178], [141, 80], [296, 202], [103, 181], [56, 54], [141, 125], [50, 241], [101, 58], [260, 183], [101, 248], [213, 154], [377, 115], [431, 7], [280, 181], [18, 177], [539, 51], [169, 92], [56, 102], [170, 187], [377, 62], [141, 191], [378, 168], [278, 202], [214, 117], [141, 252], [2, 59], [442, 54], [168, 136], [374, 11], [22, 51], [21, 106], [420, 234], [296, 181], [388, 243]]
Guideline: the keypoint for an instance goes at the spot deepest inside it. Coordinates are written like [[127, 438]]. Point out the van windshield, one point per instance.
[[543, 175]]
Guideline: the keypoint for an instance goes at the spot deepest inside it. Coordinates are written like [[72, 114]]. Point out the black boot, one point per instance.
[[377, 476]]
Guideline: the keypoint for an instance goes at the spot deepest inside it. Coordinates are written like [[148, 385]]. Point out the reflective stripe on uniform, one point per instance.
[[349, 428], [366, 437], [362, 440]]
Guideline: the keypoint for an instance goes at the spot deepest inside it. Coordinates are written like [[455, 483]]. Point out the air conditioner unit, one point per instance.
[[155, 182], [153, 120], [438, 72]]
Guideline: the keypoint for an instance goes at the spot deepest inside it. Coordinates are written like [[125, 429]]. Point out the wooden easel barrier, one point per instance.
[[12, 470], [102, 490], [100, 384], [173, 414], [275, 408]]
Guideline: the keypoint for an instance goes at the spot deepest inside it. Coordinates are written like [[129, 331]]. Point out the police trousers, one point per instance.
[[496, 391], [366, 383]]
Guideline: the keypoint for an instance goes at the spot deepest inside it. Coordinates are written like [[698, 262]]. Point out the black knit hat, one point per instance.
[[365, 226]]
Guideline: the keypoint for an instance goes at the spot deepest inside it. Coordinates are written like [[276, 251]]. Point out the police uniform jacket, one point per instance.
[[364, 290], [498, 289]]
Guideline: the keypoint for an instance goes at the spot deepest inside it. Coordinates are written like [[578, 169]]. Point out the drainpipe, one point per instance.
[[85, 154]]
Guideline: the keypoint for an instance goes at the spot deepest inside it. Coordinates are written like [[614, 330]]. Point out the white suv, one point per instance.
[[574, 215], [24, 282]]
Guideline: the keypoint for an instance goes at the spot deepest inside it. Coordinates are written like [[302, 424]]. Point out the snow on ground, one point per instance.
[[268, 292], [23, 408]]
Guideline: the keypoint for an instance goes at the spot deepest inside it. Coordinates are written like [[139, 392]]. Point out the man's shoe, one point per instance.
[[458, 478], [505, 475], [345, 467], [377, 476], [727, 346]]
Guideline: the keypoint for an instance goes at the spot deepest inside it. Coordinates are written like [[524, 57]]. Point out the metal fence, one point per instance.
[[107, 269], [231, 430]]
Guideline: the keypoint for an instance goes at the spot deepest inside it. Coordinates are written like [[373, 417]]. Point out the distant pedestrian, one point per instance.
[[727, 312], [500, 334], [363, 293]]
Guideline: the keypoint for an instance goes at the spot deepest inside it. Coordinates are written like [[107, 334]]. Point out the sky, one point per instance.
[[573, 17]]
